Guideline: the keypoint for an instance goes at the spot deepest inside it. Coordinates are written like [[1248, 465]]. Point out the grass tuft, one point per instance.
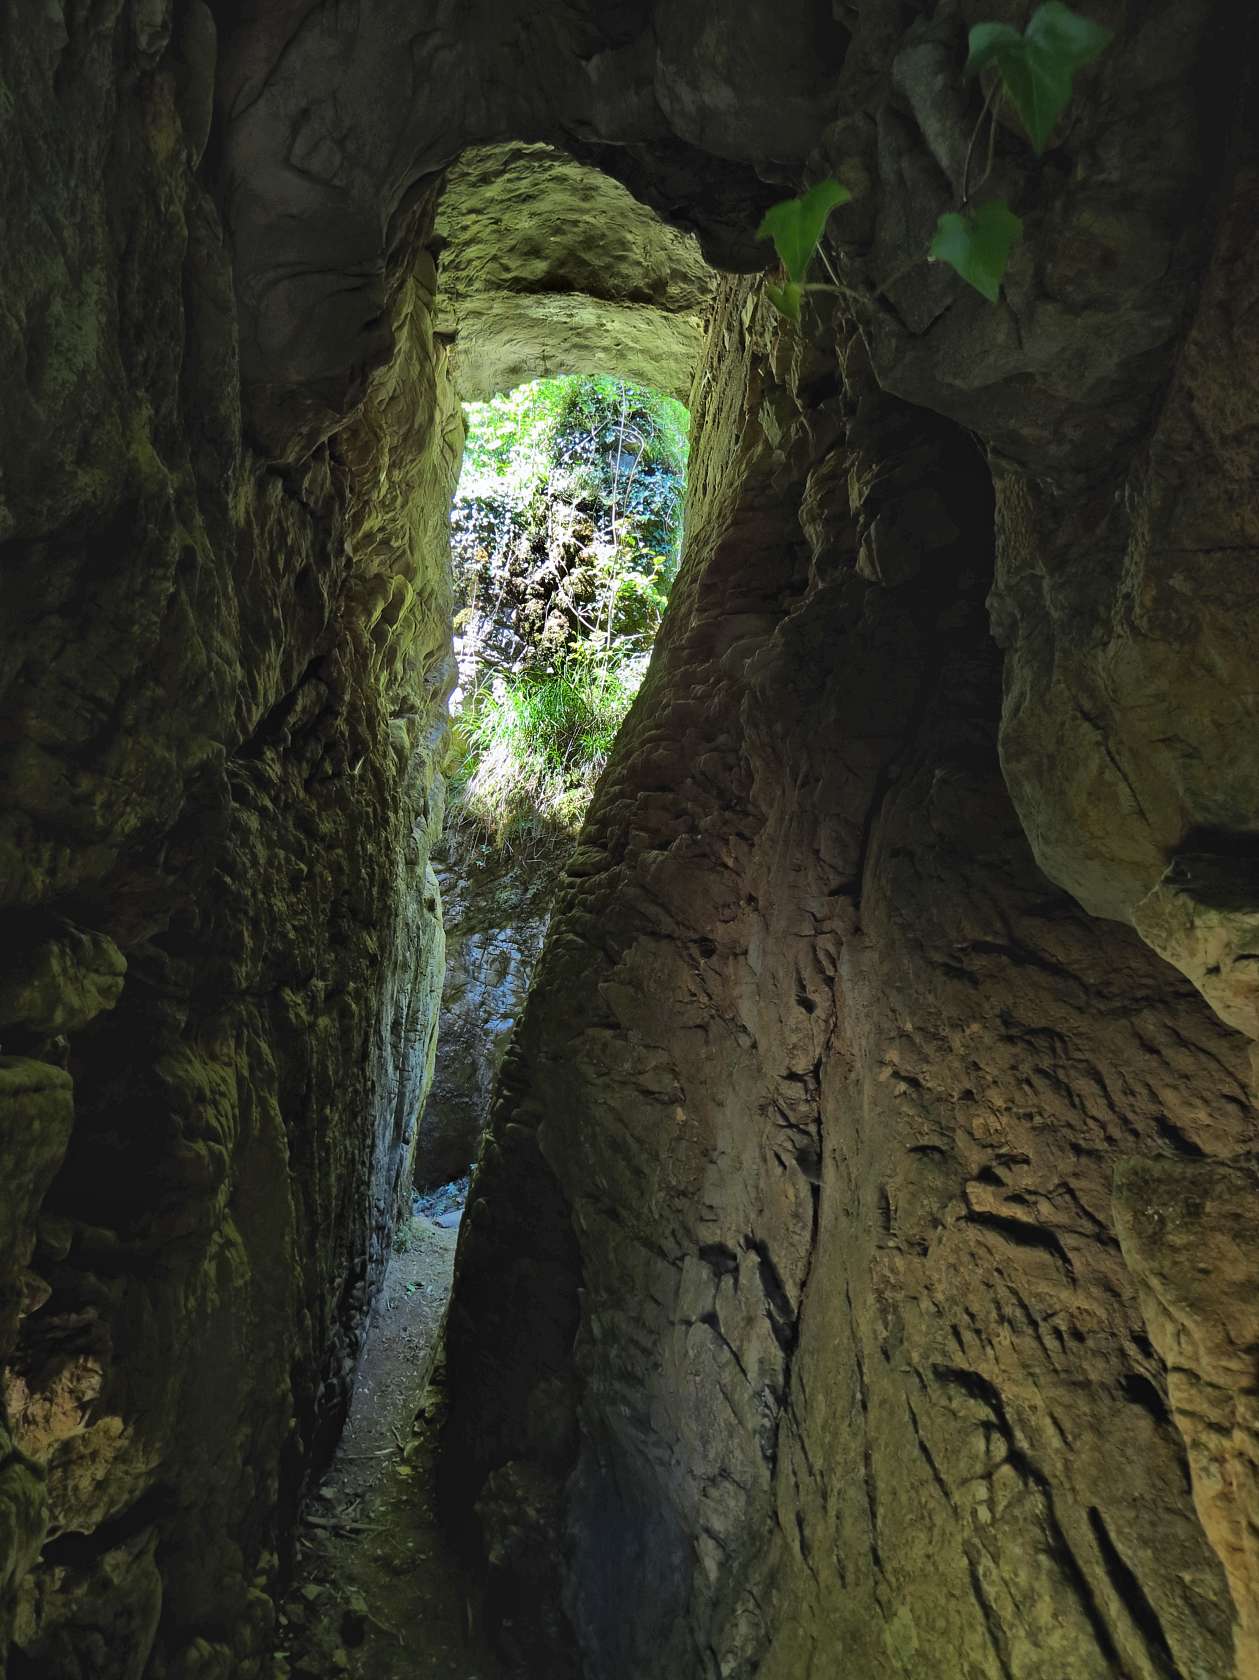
[[533, 747]]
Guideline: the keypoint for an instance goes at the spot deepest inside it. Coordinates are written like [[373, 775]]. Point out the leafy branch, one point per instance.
[[1035, 69]]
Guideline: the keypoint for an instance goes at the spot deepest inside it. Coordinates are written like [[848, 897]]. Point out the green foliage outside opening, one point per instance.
[[567, 524]]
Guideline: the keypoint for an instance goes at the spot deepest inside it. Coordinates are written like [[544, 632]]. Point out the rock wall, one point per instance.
[[830, 1086], [496, 910], [1108, 392], [550, 266], [891, 1306], [223, 687], [862, 1267], [1124, 464], [335, 117]]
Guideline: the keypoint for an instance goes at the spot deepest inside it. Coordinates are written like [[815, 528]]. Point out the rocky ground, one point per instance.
[[376, 1592]]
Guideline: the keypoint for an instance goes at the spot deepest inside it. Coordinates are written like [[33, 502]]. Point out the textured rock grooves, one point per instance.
[[832, 1084], [861, 1272]]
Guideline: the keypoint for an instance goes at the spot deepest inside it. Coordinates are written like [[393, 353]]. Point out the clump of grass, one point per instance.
[[533, 746]]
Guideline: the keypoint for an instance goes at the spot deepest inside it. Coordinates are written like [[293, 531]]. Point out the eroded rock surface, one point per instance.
[[829, 1083], [1190, 1235], [338, 116], [799, 1318], [497, 908], [550, 266], [222, 696], [1126, 525]]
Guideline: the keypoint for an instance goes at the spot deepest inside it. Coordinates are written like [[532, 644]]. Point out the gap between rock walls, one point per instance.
[[824, 921], [376, 1589]]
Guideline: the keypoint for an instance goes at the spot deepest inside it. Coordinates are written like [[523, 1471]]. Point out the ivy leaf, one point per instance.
[[1037, 67], [978, 244], [796, 225], [988, 42], [786, 299], [1075, 40]]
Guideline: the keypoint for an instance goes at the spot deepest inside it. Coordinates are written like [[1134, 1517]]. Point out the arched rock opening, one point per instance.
[[549, 266], [902, 1209]]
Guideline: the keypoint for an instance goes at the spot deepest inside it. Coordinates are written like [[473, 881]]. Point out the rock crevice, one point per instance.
[[857, 1268]]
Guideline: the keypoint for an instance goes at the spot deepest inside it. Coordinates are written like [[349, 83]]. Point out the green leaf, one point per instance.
[[987, 43], [1075, 40], [786, 299], [796, 225], [978, 244], [1037, 68]]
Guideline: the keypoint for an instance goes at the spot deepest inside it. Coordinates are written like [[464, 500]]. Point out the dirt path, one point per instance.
[[377, 1594]]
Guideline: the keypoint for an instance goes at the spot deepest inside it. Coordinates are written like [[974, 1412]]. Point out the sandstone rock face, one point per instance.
[[222, 697], [337, 116], [998, 1526], [1127, 521], [551, 266], [1189, 1233], [828, 1082], [1109, 386]]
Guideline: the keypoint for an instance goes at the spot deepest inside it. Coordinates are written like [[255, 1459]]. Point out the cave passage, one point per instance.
[[566, 534], [861, 1269], [376, 1589]]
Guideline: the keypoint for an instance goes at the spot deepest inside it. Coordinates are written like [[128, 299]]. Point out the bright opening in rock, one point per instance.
[[566, 533], [861, 1274]]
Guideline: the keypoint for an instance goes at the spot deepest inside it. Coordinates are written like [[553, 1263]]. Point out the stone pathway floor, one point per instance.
[[377, 1593]]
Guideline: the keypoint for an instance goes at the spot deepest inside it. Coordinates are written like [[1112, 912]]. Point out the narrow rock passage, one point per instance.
[[377, 1592]]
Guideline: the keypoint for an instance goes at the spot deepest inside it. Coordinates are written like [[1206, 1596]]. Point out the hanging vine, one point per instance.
[[1034, 69]]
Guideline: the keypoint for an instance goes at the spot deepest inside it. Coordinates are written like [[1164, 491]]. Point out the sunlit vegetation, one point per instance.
[[566, 533]]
